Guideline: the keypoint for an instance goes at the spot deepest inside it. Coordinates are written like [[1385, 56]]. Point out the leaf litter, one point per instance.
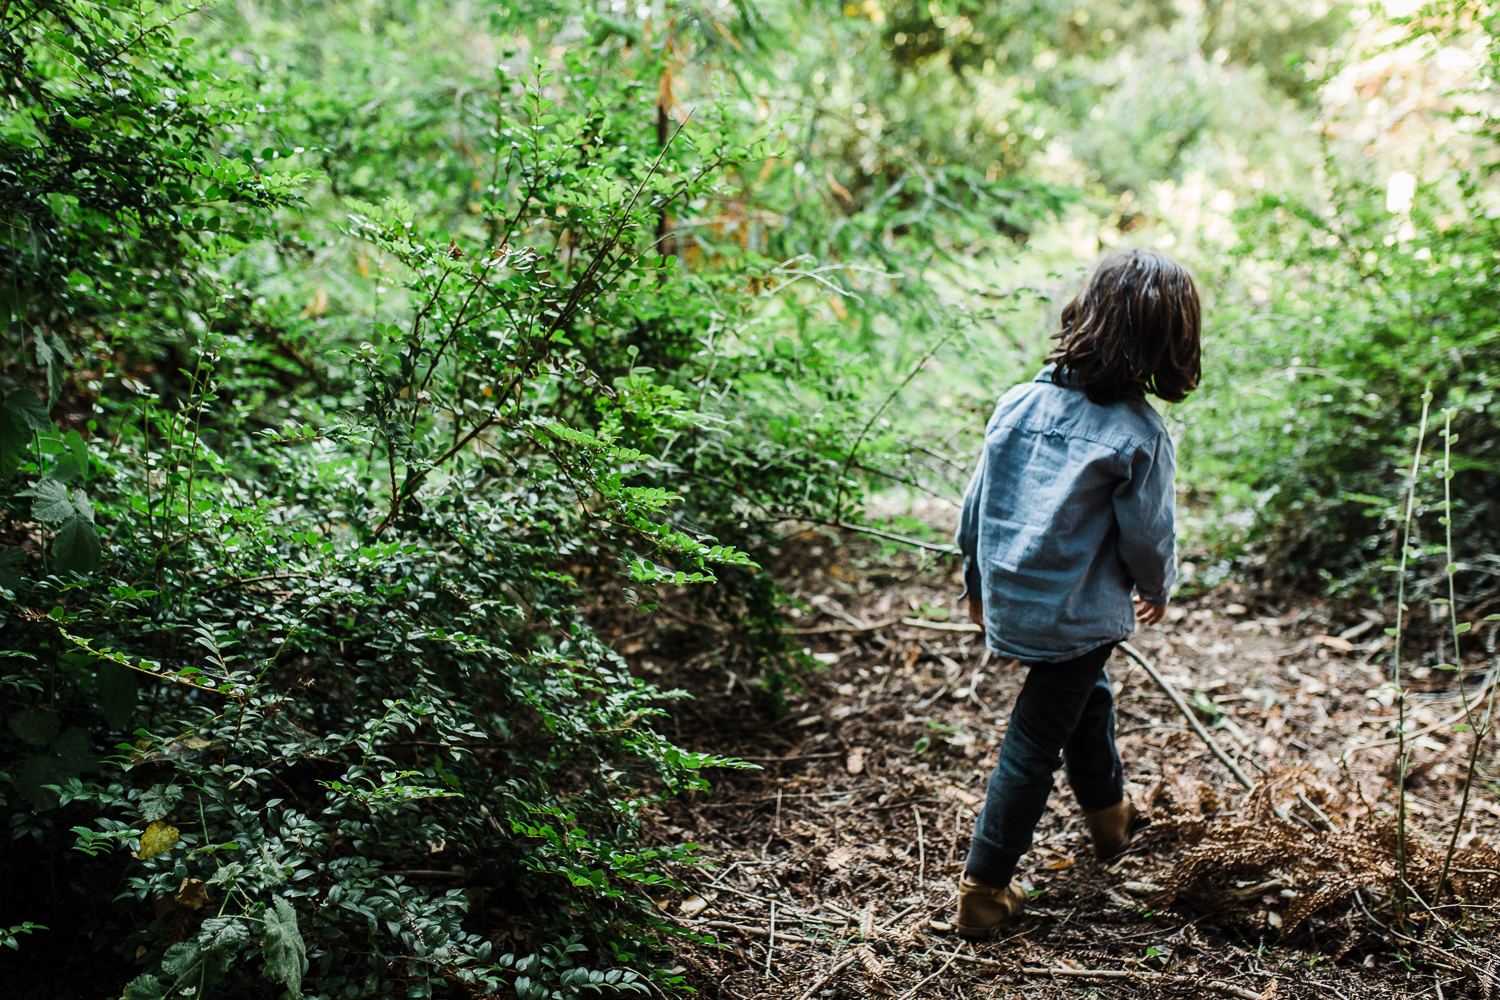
[[857, 824]]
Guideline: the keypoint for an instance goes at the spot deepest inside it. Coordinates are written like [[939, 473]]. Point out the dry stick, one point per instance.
[[942, 626], [771, 939], [1401, 757], [1187, 713], [921, 850], [989, 963], [725, 925], [830, 629], [1212, 984], [913, 991], [1488, 685], [827, 976]]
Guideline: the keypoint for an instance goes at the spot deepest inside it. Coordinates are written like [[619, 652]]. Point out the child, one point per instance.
[[1069, 511]]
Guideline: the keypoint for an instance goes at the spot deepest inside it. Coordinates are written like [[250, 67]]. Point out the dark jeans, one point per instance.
[[1065, 714]]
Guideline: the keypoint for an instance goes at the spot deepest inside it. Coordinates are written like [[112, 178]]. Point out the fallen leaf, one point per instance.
[[1061, 864], [1334, 642], [191, 894], [1235, 609], [156, 838], [839, 857], [693, 905], [856, 762], [939, 925]]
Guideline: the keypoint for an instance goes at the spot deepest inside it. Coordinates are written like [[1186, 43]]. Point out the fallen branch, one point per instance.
[[942, 626], [1187, 713], [829, 629], [914, 990], [1157, 977], [1444, 724], [829, 975], [988, 963], [725, 925]]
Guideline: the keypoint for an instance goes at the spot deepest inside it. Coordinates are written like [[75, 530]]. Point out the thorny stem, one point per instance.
[[1401, 761]]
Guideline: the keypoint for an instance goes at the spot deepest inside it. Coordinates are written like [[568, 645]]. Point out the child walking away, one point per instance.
[[1066, 524]]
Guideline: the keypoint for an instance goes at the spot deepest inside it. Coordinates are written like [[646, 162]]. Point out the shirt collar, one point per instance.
[[1058, 376]]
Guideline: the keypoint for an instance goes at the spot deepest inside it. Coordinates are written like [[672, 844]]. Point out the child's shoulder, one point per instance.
[[1041, 406]]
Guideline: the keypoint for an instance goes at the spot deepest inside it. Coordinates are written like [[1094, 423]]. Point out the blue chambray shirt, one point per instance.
[[1070, 508]]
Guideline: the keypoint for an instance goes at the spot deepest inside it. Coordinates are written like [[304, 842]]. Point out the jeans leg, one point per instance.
[[1090, 755], [1052, 701]]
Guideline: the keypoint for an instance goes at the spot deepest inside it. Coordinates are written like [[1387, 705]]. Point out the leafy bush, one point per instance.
[[1302, 440], [292, 638]]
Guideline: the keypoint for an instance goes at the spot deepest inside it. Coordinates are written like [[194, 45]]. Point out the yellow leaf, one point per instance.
[[158, 837]]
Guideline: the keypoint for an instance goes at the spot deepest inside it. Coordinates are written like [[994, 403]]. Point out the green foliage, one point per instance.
[[310, 571], [352, 352], [1304, 433]]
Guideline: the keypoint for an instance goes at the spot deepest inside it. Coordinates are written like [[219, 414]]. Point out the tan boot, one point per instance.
[[1111, 828], [983, 908]]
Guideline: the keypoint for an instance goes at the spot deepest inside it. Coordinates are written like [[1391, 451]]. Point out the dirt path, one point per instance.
[[855, 829]]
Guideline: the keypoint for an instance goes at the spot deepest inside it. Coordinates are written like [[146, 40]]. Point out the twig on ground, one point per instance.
[[829, 629], [913, 991], [771, 938], [988, 963], [1443, 724], [942, 626], [725, 925], [921, 850], [1157, 977], [1187, 713], [828, 975]]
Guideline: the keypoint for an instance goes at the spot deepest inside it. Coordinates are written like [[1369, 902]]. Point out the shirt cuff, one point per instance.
[[971, 579]]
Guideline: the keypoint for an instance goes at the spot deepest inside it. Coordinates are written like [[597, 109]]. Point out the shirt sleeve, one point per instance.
[[1144, 510], [967, 536]]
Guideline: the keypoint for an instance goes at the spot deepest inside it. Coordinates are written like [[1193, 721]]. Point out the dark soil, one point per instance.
[[856, 825]]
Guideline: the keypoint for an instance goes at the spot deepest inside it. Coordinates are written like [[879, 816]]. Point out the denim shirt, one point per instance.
[[1070, 509]]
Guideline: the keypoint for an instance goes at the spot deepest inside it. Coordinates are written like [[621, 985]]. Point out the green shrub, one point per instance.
[[291, 639]]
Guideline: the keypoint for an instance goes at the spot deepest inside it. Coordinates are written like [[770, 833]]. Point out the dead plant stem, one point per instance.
[[1401, 757]]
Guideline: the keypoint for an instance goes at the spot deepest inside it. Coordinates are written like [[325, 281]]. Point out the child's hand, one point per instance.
[[1147, 613], [976, 612]]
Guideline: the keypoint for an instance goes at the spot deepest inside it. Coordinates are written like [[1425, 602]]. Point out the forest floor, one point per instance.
[[832, 870]]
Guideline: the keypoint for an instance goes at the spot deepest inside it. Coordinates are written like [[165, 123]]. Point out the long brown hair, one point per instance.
[[1133, 329]]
